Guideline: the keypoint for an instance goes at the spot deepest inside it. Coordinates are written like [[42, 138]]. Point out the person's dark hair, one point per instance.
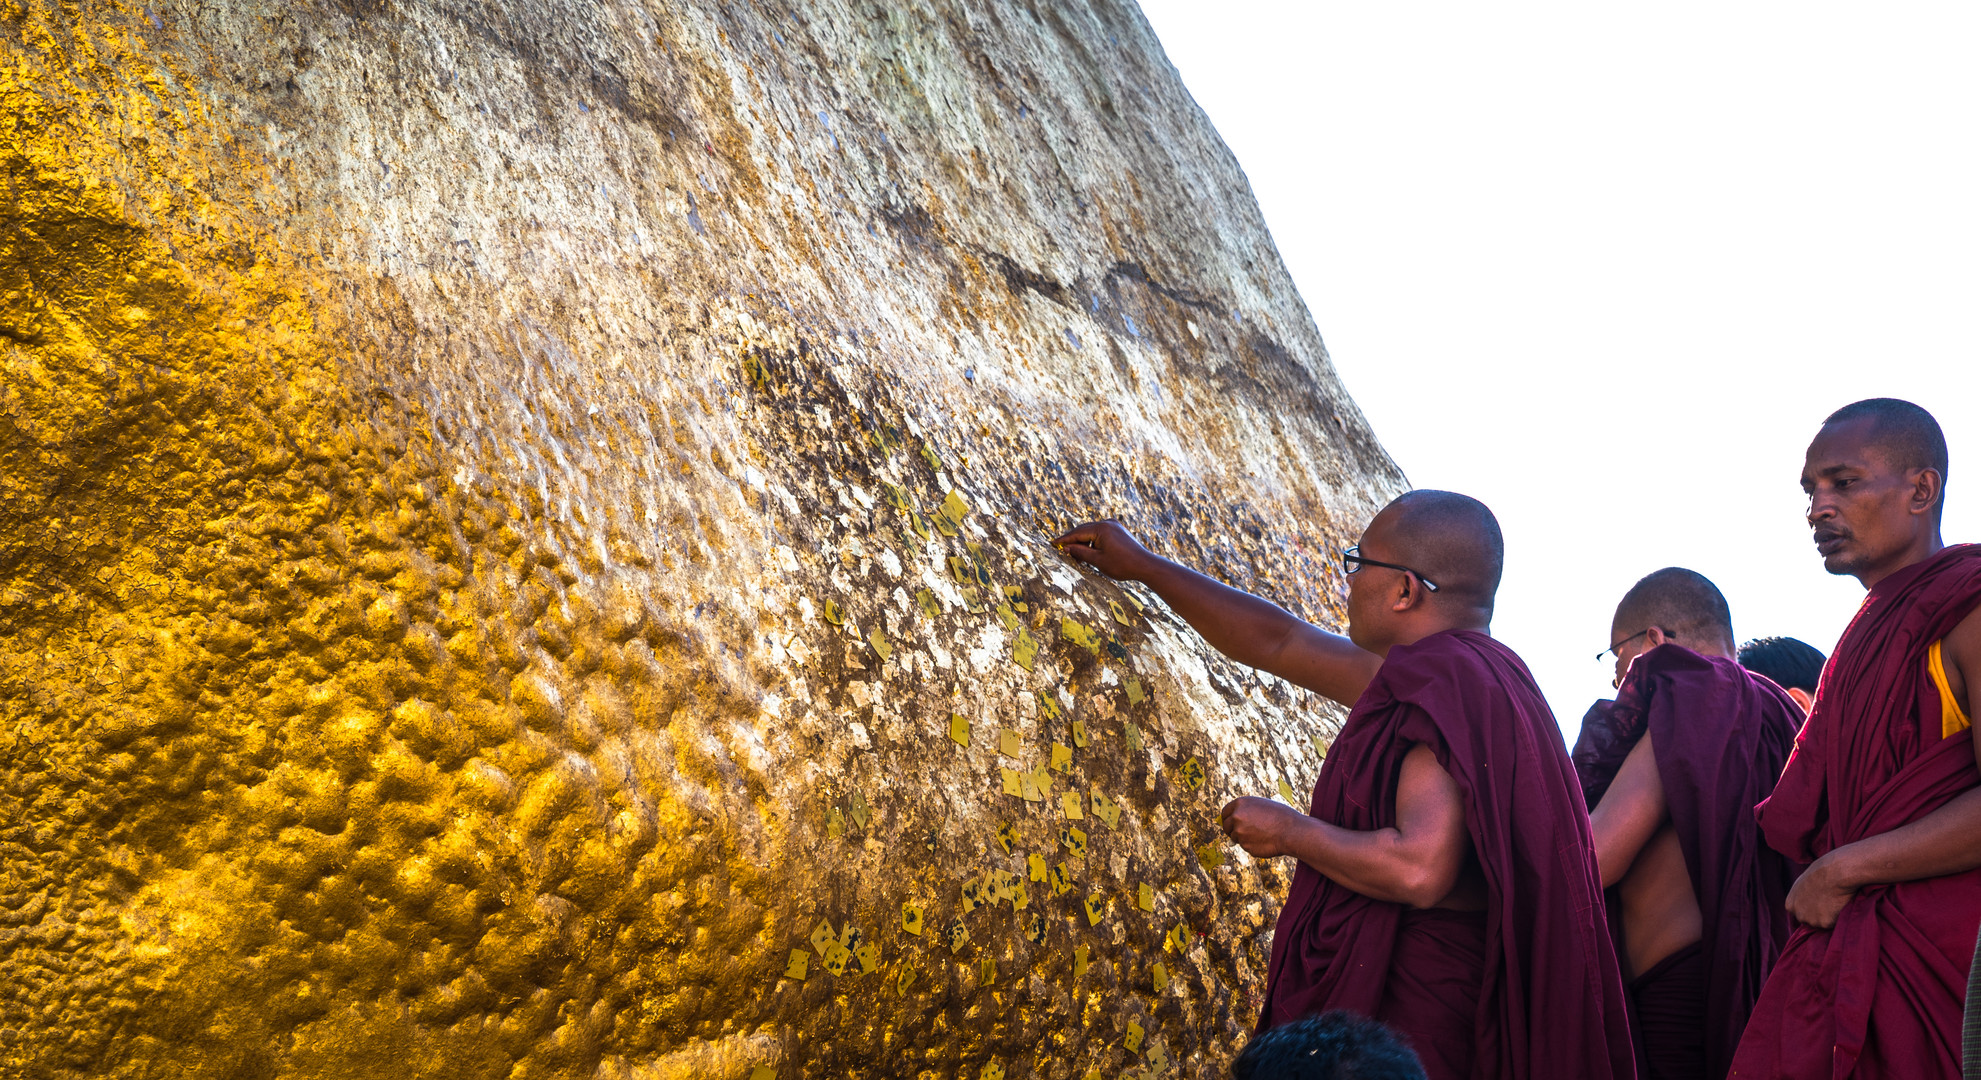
[[1332, 1046], [1906, 432], [1678, 601], [1792, 664], [1455, 541]]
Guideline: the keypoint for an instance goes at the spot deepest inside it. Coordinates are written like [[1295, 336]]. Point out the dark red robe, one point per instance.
[[1879, 995], [1546, 999], [1722, 735]]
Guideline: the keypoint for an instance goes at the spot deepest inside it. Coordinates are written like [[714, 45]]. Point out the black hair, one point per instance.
[[1332, 1046], [1791, 663], [1903, 430]]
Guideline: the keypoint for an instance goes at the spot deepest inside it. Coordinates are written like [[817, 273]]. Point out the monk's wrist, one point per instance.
[[1847, 868]]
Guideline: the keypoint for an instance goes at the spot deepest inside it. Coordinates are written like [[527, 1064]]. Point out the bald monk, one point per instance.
[[1672, 769], [1882, 796], [1446, 882]]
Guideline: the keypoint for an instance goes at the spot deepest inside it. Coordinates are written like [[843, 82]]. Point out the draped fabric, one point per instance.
[[1550, 999], [1880, 993], [1721, 735]]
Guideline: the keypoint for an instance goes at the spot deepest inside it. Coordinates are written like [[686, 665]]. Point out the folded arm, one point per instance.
[[1244, 627], [1630, 812], [1417, 862]]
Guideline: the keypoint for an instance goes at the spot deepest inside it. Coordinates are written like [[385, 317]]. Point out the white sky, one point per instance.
[[1607, 268]]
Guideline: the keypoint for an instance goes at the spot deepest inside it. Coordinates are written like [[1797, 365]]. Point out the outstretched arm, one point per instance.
[[1416, 863], [1239, 625], [1629, 813], [1946, 841]]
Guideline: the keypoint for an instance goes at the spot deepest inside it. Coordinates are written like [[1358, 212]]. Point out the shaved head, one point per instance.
[[1680, 602], [1906, 434], [1450, 538]]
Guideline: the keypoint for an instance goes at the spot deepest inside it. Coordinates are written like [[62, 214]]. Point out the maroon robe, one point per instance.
[[1546, 999], [1722, 735], [1879, 994]]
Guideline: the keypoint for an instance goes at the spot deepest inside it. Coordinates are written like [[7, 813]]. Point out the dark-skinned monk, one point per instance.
[[1446, 882], [1882, 795], [1671, 770]]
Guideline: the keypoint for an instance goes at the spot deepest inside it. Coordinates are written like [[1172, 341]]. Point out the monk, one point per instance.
[[1672, 769], [1790, 663], [1446, 882], [1882, 795]]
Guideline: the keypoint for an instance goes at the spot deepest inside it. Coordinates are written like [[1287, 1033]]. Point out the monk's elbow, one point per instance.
[[1422, 887]]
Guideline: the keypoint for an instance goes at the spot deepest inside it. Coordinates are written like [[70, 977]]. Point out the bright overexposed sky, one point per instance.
[[1607, 267]]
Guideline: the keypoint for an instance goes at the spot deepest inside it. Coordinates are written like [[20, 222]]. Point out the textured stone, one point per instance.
[[503, 508]]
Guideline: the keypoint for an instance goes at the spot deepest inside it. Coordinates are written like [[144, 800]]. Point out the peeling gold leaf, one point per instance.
[[959, 730], [1008, 617], [1025, 650], [859, 810], [1133, 1041], [1075, 841], [837, 956], [1007, 835], [1062, 758], [911, 919], [1035, 864], [1014, 784], [1133, 737], [1162, 977], [763, 1072], [905, 977], [1069, 805], [986, 975], [927, 601], [1210, 856], [1035, 929], [1020, 898], [1145, 897], [822, 936], [1060, 880], [801, 963], [954, 505], [1135, 695], [1080, 954], [975, 895], [1094, 906], [833, 615], [879, 641], [1106, 809], [1009, 744], [1120, 616], [956, 934], [992, 1070], [1049, 706], [1080, 734], [869, 956], [1286, 792], [835, 823]]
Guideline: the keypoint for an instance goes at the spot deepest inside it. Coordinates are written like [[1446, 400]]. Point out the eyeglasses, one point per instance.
[[1621, 642], [1353, 560]]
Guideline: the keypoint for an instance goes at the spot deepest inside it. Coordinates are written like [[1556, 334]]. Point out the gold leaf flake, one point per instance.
[[1286, 792], [920, 523], [1134, 1038], [1093, 905], [1135, 695], [954, 505], [896, 497], [1014, 784], [1162, 977], [1060, 880], [833, 615], [879, 641], [1028, 788], [1133, 735], [1062, 758], [763, 1072], [975, 895], [992, 1070], [1120, 616], [1077, 633], [960, 570], [1035, 865], [1080, 734], [1075, 841], [1007, 616], [1042, 778], [986, 974], [1210, 856], [904, 978], [911, 919], [927, 601], [1009, 744], [1003, 884], [859, 810], [822, 936], [869, 956], [1035, 929], [801, 962], [1114, 648], [956, 934], [1177, 939], [1145, 897], [837, 956], [1069, 805], [1019, 898], [1007, 835], [929, 455], [1025, 650], [1049, 706], [959, 730], [835, 823], [1320, 745], [1080, 954], [1158, 1057], [1192, 772], [1106, 809]]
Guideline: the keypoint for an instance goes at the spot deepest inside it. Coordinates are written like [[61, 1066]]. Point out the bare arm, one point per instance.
[[1416, 863], [1239, 625], [1630, 812], [1946, 841]]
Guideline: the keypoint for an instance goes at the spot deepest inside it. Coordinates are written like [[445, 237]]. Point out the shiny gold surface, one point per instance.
[[521, 543]]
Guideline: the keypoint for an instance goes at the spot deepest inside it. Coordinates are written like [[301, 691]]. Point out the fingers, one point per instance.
[[1084, 535]]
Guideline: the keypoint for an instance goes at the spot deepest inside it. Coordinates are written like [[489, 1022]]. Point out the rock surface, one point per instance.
[[503, 508]]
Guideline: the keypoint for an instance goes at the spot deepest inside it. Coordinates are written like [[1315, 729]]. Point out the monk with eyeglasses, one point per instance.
[[1446, 881], [1672, 770]]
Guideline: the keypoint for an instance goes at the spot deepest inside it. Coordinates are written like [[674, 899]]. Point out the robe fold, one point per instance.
[[1879, 994], [1548, 1001], [1722, 735]]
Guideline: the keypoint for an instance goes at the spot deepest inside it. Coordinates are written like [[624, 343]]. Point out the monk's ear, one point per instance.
[[1410, 593], [1927, 487]]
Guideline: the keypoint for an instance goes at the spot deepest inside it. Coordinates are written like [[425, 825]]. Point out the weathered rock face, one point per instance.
[[522, 541]]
